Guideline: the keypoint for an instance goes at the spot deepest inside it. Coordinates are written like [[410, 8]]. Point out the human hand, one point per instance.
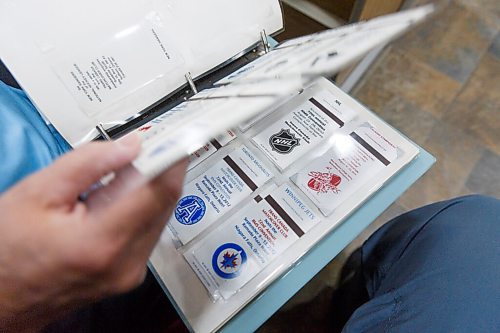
[[58, 253]]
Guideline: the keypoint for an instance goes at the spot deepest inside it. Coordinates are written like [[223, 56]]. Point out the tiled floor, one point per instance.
[[439, 85]]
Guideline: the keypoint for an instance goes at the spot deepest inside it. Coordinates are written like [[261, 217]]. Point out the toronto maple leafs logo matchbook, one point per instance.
[[324, 182]]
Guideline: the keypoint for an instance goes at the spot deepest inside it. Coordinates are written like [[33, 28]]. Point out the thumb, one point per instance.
[[76, 171]]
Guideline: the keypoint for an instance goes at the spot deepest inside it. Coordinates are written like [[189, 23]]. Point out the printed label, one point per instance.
[[100, 79], [305, 127], [210, 148], [354, 160], [292, 203], [234, 253], [216, 191]]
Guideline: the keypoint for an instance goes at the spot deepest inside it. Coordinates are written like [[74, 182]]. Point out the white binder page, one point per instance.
[[88, 62]]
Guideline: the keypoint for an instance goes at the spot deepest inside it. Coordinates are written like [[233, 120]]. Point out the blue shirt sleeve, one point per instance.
[[27, 143]]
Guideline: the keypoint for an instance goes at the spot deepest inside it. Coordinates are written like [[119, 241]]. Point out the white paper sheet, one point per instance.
[[53, 48]]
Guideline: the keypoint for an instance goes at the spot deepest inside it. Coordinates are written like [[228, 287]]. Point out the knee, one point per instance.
[[475, 201], [471, 219], [466, 211], [474, 209]]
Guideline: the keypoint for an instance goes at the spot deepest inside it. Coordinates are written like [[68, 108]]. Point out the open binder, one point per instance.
[[279, 156]]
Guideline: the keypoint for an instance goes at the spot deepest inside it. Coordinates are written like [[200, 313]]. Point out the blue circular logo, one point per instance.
[[228, 260], [190, 210]]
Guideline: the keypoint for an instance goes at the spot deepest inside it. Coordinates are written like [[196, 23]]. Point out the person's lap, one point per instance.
[[433, 269]]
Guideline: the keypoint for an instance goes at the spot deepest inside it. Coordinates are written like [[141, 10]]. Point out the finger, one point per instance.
[[125, 181], [142, 238], [75, 172], [145, 209], [132, 225]]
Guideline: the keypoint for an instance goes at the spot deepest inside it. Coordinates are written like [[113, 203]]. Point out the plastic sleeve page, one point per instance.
[[157, 126], [154, 130], [188, 271], [303, 127], [272, 55], [225, 107], [354, 159], [210, 148], [220, 29], [216, 191], [327, 52], [252, 238]]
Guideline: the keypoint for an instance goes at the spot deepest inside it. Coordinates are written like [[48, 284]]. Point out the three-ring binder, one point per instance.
[[191, 83], [264, 41], [103, 132]]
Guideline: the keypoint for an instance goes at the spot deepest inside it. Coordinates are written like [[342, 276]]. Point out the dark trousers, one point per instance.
[[433, 269], [145, 309]]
